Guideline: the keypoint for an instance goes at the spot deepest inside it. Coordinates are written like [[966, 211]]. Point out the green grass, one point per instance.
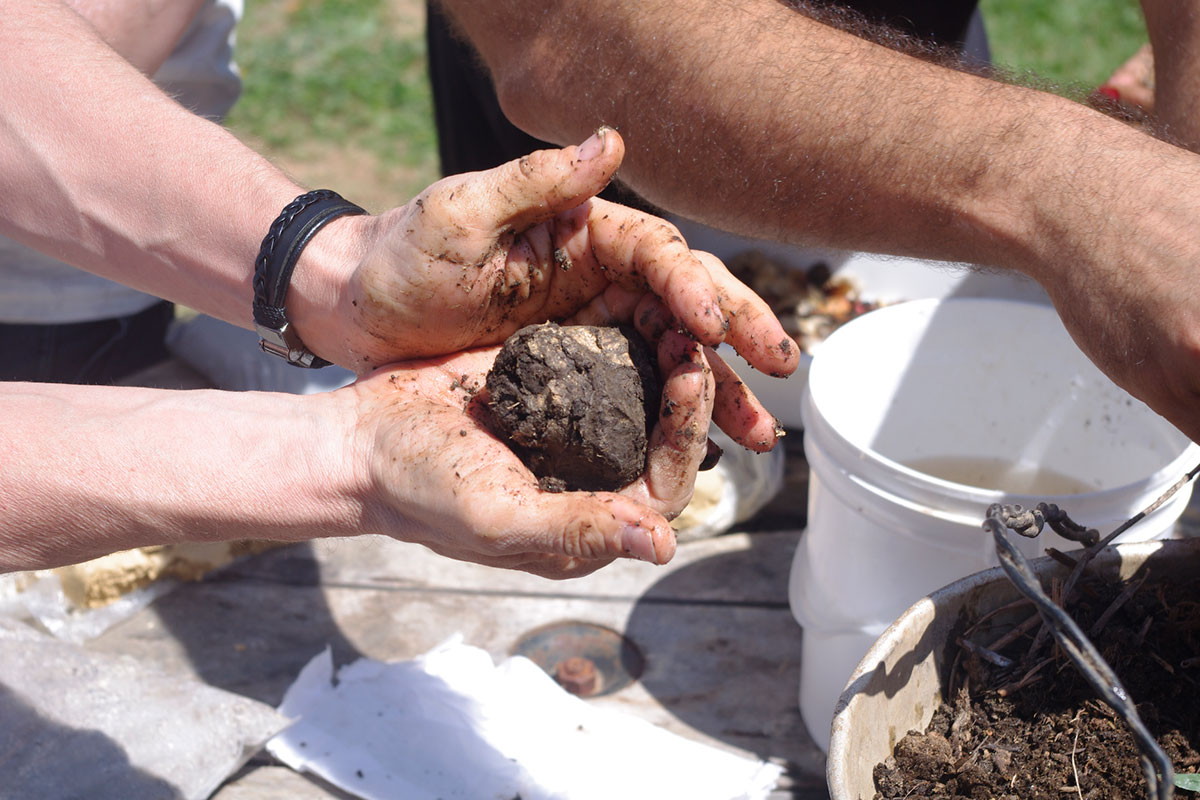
[[1070, 42], [337, 71]]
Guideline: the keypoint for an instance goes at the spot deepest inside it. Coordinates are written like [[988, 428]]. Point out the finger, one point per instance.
[[541, 564], [524, 274], [738, 412], [557, 568], [646, 312], [652, 319], [638, 251], [585, 526], [679, 442], [531, 189], [754, 331], [1133, 81], [524, 526], [614, 304]]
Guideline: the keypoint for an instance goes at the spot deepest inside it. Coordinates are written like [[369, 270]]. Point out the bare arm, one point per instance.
[[89, 470], [104, 171], [143, 31], [1174, 30], [751, 117]]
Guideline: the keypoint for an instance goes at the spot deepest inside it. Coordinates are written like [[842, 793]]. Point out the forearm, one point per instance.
[[749, 116], [102, 170], [144, 32], [1174, 29], [93, 470]]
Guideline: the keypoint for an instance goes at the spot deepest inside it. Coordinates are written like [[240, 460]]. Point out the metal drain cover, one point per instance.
[[586, 659]]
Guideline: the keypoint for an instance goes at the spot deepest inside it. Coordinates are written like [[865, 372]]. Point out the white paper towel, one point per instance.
[[452, 724]]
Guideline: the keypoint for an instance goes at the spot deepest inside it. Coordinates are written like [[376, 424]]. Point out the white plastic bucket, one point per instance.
[[963, 387]]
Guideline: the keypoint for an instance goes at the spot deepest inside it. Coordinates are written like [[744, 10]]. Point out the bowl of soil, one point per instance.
[[964, 697]]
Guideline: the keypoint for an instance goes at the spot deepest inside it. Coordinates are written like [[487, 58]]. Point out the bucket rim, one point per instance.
[[817, 424], [1164, 477]]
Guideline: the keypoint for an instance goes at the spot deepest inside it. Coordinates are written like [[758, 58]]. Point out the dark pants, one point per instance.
[[103, 351]]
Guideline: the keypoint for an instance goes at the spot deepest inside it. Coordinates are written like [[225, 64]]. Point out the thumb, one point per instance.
[[603, 525], [533, 188]]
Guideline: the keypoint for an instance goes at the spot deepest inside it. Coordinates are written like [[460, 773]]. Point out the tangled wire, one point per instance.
[[1160, 776]]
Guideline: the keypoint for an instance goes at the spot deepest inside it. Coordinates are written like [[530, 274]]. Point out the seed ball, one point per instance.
[[576, 403]]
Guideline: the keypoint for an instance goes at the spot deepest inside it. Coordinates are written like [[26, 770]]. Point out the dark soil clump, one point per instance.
[[1012, 735], [576, 403]]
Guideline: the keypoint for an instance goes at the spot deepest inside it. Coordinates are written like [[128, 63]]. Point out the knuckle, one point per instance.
[[669, 233], [526, 165], [582, 537], [540, 163]]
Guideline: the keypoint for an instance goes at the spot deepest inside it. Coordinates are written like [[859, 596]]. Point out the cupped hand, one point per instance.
[[477, 256], [439, 477]]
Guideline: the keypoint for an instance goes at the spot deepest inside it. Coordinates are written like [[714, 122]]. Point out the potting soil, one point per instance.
[[1007, 735]]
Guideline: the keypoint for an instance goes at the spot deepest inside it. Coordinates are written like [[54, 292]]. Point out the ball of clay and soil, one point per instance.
[[574, 403]]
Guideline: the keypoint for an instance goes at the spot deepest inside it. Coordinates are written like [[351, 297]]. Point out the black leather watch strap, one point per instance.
[[294, 228]]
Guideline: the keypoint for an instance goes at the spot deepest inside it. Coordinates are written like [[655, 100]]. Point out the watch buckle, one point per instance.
[[285, 343]]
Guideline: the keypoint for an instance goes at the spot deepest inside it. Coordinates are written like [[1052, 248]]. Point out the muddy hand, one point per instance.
[[477, 256], [440, 478], [754, 332], [679, 440]]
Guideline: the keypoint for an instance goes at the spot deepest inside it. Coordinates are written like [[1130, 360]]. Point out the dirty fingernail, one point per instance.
[[712, 456], [593, 147], [636, 541]]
